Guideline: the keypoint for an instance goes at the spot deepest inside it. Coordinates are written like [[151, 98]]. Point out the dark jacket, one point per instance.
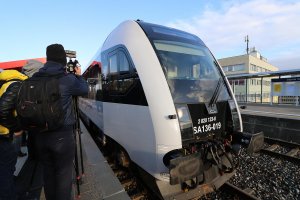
[[11, 81], [7, 108], [70, 85]]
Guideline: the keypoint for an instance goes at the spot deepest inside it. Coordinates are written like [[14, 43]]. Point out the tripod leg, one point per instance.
[[81, 157], [79, 134], [76, 169], [76, 153]]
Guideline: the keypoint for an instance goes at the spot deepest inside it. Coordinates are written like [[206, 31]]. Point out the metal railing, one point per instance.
[[263, 92]]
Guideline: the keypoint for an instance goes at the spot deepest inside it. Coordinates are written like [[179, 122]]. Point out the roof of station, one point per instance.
[[18, 63], [265, 74]]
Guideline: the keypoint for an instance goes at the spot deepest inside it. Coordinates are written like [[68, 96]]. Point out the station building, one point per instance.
[[250, 63]]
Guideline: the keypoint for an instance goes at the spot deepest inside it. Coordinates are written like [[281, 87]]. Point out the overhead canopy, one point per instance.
[[264, 74], [18, 64]]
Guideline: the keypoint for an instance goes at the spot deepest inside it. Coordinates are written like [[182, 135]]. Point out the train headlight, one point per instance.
[[185, 122], [183, 113], [235, 116]]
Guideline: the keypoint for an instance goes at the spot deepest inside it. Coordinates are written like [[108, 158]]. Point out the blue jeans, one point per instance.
[[56, 151], [8, 160]]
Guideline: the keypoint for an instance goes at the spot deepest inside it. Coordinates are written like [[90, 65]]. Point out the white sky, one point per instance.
[[273, 28]]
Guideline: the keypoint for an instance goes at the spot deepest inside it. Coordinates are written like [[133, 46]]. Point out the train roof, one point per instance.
[[156, 31]]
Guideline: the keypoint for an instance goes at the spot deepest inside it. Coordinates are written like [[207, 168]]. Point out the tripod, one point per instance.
[[77, 131]]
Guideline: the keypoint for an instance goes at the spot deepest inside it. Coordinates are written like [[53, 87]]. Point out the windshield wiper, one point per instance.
[[216, 93], [211, 107]]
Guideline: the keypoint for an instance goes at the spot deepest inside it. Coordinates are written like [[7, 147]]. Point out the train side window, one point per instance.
[[196, 71], [113, 63], [172, 71], [125, 78], [94, 86], [104, 63], [122, 84], [124, 64]]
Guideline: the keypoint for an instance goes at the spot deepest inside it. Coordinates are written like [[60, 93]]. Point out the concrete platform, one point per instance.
[[99, 181], [276, 121], [278, 110]]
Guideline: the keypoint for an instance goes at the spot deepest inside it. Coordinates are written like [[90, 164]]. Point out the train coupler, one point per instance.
[[185, 168]]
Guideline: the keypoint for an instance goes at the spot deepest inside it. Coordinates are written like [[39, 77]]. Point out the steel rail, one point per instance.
[[292, 159], [281, 142], [243, 195]]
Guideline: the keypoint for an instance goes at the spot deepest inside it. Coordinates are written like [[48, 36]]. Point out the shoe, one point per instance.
[[21, 154]]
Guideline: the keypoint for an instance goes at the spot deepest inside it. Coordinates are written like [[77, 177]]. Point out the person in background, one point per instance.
[[10, 129], [30, 68], [56, 149]]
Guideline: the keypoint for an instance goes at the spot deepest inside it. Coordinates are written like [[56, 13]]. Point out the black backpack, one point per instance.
[[39, 104]]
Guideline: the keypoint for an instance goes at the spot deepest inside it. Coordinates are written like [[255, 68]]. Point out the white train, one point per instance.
[[163, 100]]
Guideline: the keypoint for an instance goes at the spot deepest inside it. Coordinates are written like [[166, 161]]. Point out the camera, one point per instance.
[[70, 67]]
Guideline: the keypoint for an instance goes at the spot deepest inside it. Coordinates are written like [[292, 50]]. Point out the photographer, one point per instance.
[[56, 148]]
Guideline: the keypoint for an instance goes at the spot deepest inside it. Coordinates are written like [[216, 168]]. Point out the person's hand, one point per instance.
[[78, 71], [19, 133]]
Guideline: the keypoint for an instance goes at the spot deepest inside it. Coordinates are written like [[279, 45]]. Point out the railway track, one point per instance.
[[282, 149], [131, 183], [238, 194], [230, 192], [269, 176]]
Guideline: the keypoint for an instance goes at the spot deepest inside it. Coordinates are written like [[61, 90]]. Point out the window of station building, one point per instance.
[[241, 82], [266, 83], [257, 68], [237, 82], [231, 68], [257, 82], [239, 67], [253, 67]]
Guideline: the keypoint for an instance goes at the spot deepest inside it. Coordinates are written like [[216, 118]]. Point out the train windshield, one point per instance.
[[191, 72]]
